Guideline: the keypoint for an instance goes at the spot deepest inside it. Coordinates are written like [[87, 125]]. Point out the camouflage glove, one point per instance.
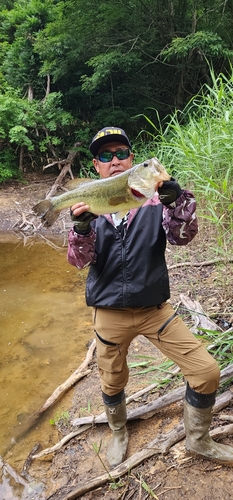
[[169, 191], [82, 222]]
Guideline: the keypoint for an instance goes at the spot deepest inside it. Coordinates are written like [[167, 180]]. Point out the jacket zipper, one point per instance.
[[124, 267]]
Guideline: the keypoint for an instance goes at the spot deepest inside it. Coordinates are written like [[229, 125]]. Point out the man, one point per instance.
[[128, 288]]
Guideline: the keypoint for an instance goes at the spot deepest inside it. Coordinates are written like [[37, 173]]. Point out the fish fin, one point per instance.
[[45, 210]]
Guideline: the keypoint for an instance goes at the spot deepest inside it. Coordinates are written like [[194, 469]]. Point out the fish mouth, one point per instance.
[[137, 193]]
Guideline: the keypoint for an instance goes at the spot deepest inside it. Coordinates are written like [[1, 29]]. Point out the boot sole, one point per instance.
[[216, 460]]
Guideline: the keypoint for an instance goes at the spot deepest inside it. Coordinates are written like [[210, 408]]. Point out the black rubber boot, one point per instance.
[[197, 421], [117, 417]]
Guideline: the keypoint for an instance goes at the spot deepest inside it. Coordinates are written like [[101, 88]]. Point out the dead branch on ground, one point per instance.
[[149, 388], [6, 468], [148, 410], [200, 319], [77, 375], [65, 166], [74, 378], [200, 264], [62, 442], [227, 418], [160, 445], [221, 402]]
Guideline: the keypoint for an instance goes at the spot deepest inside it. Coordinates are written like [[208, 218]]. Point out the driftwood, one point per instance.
[[200, 264], [60, 443], [77, 375], [6, 468], [228, 418], [28, 462], [148, 410], [221, 402], [65, 166], [160, 445], [149, 388], [200, 319]]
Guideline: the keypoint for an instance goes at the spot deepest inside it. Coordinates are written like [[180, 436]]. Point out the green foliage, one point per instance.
[[139, 55], [114, 484], [18, 134], [164, 372], [147, 488], [202, 42], [220, 345], [36, 125], [8, 165], [60, 418], [196, 146]]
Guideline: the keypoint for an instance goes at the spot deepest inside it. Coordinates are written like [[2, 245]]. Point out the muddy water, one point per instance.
[[44, 328]]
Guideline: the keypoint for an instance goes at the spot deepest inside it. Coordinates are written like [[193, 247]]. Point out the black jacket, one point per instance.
[[131, 271]]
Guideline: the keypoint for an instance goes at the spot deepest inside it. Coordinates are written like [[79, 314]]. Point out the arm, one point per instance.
[[81, 239], [81, 249], [179, 214]]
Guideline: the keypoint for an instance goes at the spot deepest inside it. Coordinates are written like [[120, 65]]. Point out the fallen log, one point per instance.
[[160, 445], [74, 378], [149, 388], [77, 375], [145, 411], [201, 264], [221, 402], [6, 468], [148, 410], [227, 418], [60, 443], [200, 319]]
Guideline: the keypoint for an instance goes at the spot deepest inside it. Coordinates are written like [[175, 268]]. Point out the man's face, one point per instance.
[[114, 166]]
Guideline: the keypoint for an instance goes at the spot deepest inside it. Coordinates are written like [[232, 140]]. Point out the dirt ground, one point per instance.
[[166, 477]]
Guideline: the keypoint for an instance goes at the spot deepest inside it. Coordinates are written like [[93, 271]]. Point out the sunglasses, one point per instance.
[[106, 156]]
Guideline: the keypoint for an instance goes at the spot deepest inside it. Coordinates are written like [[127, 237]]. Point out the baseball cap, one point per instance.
[[108, 134]]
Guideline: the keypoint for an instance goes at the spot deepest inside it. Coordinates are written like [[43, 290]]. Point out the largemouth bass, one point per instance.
[[119, 193]]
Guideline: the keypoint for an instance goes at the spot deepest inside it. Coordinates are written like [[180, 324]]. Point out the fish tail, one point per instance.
[[45, 210]]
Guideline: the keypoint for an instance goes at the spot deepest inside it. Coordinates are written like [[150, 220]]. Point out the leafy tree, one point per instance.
[[108, 62]]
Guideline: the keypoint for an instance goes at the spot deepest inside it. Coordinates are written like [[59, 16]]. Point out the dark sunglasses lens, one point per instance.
[[121, 154], [105, 156]]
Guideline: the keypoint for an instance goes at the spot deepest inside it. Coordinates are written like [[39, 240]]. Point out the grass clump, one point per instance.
[[196, 147]]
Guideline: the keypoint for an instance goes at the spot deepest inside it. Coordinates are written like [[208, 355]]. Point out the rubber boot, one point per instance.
[[197, 421], [117, 417]]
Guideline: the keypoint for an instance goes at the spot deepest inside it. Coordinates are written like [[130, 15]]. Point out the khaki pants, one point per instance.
[[116, 328]]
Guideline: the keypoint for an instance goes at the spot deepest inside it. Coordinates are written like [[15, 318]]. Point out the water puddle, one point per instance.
[[45, 326]]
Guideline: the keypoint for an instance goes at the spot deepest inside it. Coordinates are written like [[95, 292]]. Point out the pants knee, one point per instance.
[[207, 382]]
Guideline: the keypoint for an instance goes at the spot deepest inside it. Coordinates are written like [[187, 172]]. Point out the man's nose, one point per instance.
[[114, 158]]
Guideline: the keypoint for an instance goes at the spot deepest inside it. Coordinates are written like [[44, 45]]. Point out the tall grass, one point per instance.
[[196, 146]]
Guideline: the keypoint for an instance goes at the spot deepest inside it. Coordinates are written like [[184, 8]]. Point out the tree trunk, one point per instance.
[[21, 158]]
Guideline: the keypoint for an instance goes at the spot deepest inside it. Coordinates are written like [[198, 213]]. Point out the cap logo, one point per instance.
[[108, 131]]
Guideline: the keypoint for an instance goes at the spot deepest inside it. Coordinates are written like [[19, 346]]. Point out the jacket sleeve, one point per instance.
[[81, 249], [179, 219]]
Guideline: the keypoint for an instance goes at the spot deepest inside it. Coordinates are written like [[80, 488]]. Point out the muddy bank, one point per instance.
[[172, 476]]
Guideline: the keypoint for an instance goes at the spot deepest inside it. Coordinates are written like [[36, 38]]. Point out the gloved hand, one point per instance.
[[82, 222], [169, 191]]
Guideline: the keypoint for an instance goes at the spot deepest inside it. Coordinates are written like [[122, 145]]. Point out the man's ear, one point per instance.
[[95, 163]]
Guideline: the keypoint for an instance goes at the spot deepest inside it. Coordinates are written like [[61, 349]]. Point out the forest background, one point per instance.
[[162, 70]]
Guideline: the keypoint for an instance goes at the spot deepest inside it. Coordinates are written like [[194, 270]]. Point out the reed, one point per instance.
[[196, 146]]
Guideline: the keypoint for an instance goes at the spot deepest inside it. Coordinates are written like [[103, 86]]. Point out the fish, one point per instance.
[[119, 193]]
